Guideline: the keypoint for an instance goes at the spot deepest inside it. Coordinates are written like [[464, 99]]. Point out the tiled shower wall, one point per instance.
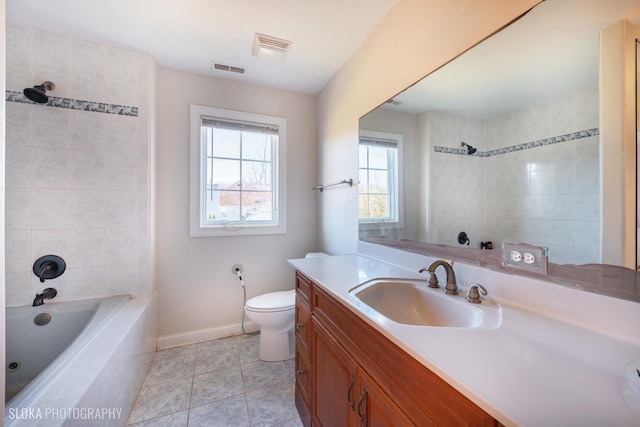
[[78, 182], [456, 195], [547, 195]]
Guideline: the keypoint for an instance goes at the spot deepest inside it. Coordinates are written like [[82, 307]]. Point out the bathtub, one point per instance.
[[82, 367]]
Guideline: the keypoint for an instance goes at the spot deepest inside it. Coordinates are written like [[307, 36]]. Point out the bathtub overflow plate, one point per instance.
[[42, 319], [13, 366]]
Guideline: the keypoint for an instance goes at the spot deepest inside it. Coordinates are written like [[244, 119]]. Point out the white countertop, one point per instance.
[[539, 367]]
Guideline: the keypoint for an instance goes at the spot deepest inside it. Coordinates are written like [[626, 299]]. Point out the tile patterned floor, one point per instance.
[[216, 383]]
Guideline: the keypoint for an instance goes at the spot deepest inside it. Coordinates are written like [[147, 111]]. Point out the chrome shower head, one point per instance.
[[39, 93], [470, 149]]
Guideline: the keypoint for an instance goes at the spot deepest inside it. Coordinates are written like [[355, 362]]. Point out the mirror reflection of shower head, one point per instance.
[[39, 93], [470, 149]]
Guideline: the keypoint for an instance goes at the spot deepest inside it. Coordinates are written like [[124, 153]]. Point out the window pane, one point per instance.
[[362, 156], [377, 157], [256, 176], [378, 182], [226, 143], [225, 173], [363, 206], [229, 205], [257, 206], [256, 146], [363, 187], [378, 206], [222, 205]]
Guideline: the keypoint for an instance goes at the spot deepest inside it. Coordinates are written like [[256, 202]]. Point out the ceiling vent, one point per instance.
[[224, 67], [271, 48], [393, 102]]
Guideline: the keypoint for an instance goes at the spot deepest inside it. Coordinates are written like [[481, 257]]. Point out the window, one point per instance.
[[237, 165], [378, 195]]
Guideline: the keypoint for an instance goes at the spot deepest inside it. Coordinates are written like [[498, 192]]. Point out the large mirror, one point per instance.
[[501, 144]]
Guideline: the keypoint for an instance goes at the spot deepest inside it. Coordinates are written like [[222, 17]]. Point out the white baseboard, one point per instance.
[[192, 337]]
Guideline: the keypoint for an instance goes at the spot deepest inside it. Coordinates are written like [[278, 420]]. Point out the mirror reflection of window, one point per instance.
[[378, 175]]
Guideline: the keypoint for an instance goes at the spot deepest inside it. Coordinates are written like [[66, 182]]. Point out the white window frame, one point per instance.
[[198, 226], [398, 221]]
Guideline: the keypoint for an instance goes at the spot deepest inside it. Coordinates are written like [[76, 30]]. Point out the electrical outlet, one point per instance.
[[529, 258], [525, 257]]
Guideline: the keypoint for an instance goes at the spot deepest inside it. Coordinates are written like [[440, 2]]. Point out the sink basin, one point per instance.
[[411, 302]]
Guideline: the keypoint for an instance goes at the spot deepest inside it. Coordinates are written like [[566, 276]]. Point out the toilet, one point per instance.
[[275, 314]]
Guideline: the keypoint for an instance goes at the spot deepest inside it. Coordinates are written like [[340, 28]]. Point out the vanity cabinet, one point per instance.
[[349, 374]]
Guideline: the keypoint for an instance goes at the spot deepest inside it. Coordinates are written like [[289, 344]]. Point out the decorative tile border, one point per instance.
[[76, 104], [524, 146]]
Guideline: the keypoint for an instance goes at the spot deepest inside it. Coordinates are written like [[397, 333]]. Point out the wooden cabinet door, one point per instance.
[[375, 408], [334, 381]]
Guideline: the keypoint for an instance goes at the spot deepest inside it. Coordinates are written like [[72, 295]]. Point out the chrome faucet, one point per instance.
[[451, 288], [46, 294]]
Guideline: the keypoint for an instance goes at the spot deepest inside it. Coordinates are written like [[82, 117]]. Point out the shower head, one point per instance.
[[470, 149], [39, 93]]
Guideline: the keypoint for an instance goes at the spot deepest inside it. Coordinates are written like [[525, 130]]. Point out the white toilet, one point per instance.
[[275, 313]]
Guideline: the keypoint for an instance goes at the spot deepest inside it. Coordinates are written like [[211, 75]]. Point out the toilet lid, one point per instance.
[[274, 301]]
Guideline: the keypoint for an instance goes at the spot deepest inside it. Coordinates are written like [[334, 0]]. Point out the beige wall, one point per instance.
[[199, 297], [415, 38]]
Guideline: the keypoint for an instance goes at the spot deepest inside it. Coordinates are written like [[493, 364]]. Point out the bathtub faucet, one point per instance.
[[46, 294]]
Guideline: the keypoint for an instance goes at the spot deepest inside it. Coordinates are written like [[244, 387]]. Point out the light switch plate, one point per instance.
[[525, 257]]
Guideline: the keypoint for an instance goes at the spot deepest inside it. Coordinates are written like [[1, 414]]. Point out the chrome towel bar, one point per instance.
[[344, 181]]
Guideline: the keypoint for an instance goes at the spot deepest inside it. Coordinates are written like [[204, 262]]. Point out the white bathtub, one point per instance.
[[92, 355]]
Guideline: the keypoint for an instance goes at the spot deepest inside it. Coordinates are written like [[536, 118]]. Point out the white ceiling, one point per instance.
[[189, 34], [550, 52]]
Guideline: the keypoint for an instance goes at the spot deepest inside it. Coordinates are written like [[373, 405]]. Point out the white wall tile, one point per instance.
[[75, 179], [122, 171], [119, 280], [18, 251], [122, 209], [18, 45], [18, 166], [46, 242], [49, 167], [88, 169], [18, 289], [87, 209], [50, 209], [93, 282], [87, 130], [18, 124], [49, 126], [121, 248], [87, 248], [18, 209], [50, 61]]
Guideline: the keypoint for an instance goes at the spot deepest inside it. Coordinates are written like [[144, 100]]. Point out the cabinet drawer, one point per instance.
[[303, 375], [303, 288], [302, 405], [303, 326]]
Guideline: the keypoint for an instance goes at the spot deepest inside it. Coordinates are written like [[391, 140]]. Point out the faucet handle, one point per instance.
[[473, 295]]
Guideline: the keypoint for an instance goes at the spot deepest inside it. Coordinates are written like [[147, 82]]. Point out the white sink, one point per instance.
[[411, 302]]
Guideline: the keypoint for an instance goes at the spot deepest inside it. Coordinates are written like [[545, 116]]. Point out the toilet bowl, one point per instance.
[[275, 314]]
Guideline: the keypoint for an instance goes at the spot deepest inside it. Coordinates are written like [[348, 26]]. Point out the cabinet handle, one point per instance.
[[352, 402], [363, 393], [299, 325]]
